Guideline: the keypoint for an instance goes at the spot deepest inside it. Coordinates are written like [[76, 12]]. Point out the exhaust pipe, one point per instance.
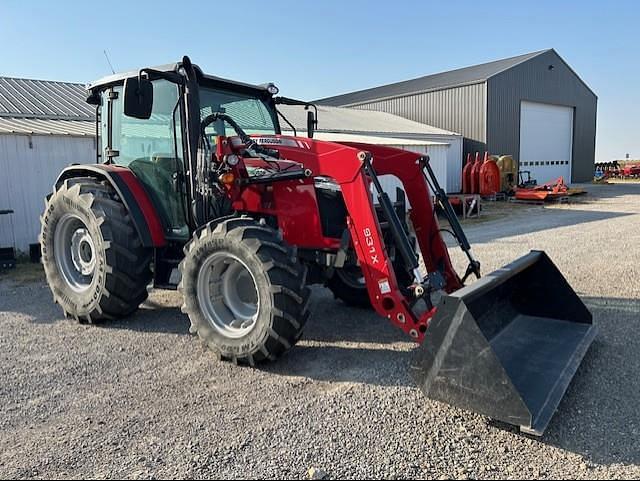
[[508, 345]]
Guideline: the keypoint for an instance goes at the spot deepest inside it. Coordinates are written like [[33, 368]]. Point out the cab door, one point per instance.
[[152, 149]]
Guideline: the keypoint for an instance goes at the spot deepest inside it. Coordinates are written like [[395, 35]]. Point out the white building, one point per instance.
[[44, 126], [350, 125]]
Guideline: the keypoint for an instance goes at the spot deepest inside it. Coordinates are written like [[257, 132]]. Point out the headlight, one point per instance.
[[272, 89], [232, 159]]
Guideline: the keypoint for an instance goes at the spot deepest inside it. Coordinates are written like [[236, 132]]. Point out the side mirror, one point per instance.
[[93, 98], [138, 98], [311, 123]]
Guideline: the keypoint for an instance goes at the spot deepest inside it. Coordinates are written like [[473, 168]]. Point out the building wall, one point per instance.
[[454, 152], [533, 81], [27, 175], [444, 155], [459, 109], [448, 175]]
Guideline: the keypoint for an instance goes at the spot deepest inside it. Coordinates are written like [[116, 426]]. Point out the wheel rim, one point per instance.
[[352, 276], [228, 295], [75, 252]]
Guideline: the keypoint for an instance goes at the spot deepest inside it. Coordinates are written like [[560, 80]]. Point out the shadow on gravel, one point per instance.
[[604, 424], [33, 299], [334, 321], [608, 191], [374, 366], [545, 219], [347, 344], [598, 417], [150, 318]]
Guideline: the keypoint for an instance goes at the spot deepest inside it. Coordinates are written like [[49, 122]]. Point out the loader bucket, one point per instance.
[[508, 345]]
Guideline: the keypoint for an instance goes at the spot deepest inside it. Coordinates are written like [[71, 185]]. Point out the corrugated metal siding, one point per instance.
[[32, 126], [454, 150], [444, 157], [342, 119], [27, 176], [445, 173], [533, 81], [455, 165], [460, 109], [454, 155]]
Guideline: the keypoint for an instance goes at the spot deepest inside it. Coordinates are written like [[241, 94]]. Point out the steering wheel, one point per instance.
[[249, 143]]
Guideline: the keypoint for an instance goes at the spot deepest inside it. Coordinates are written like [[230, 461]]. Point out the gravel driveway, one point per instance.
[[143, 398]]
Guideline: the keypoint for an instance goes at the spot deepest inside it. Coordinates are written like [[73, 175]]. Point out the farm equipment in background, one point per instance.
[[525, 181], [508, 173], [196, 189], [466, 174], [554, 191], [600, 175], [624, 170], [488, 175], [631, 171], [607, 170], [550, 191]]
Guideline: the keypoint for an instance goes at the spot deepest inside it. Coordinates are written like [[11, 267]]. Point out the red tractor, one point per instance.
[[196, 189]]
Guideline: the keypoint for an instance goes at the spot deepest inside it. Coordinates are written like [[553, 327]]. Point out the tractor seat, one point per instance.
[[165, 162]]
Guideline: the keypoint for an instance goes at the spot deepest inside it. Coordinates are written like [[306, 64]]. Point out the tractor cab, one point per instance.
[[150, 122]]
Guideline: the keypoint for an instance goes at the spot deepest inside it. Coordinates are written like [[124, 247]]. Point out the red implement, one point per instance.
[[475, 175], [489, 177], [550, 190], [466, 175]]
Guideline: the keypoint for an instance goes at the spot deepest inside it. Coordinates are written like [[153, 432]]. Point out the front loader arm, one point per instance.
[[345, 164], [377, 268], [406, 166]]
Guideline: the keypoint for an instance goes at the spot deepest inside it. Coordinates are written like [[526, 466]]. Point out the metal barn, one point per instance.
[[533, 106]]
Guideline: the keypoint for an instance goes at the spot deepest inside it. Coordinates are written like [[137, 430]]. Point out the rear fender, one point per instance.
[[130, 190]]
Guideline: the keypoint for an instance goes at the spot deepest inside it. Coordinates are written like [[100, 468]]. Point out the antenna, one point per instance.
[[108, 61]]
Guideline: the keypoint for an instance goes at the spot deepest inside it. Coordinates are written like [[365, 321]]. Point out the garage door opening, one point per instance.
[[546, 141]]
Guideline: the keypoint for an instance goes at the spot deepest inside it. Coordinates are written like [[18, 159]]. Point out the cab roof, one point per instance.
[[204, 79]]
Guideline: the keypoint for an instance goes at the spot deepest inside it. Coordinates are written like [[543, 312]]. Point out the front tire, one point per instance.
[[244, 290], [93, 259]]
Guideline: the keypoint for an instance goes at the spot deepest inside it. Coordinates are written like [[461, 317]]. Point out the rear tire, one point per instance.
[[244, 290], [93, 259], [348, 286]]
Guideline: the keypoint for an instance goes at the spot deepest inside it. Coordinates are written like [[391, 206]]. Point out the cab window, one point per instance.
[[152, 149]]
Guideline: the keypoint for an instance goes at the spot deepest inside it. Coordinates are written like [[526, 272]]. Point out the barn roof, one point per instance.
[[44, 107], [452, 78], [44, 99]]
